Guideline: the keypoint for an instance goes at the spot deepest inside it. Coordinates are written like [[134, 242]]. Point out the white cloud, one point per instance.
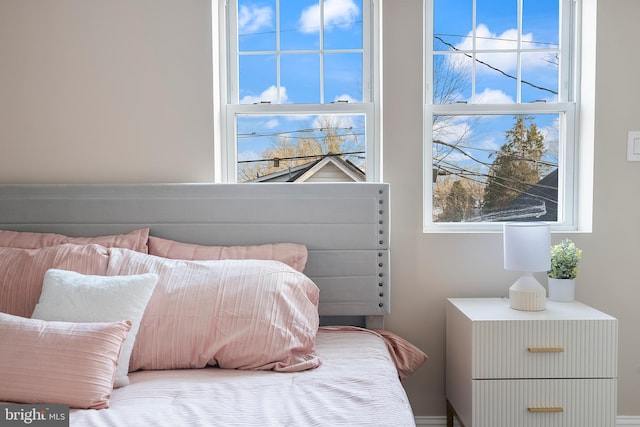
[[493, 96], [487, 40], [334, 120], [345, 97], [452, 132], [272, 124], [252, 20], [249, 155], [336, 12], [551, 135], [269, 94]]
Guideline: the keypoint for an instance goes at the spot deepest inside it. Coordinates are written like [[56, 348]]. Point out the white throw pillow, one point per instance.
[[73, 297]]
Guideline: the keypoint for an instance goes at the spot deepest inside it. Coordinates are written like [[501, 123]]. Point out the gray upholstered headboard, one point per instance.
[[345, 226]]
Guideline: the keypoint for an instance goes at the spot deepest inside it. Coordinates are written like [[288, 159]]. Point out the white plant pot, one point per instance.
[[562, 290]]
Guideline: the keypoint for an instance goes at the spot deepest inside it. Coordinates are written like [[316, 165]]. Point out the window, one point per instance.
[[500, 113], [301, 88]]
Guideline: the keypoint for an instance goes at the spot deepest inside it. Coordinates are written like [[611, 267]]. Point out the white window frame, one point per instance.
[[567, 106], [226, 90]]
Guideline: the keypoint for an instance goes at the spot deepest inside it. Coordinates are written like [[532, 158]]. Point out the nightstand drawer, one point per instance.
[[544, 349], [548, 403], [511, 368]]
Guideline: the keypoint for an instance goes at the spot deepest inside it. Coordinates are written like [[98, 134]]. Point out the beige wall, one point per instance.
[[105, 91], [427, 268], [120, 91]]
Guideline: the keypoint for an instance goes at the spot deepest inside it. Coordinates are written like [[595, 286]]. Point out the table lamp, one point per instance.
[[526, 249]]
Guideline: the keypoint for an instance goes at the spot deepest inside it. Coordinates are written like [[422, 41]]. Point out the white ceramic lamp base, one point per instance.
[[527, 294]]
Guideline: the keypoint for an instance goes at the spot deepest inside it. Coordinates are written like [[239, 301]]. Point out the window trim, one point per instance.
[[225, 143], [572, 197]]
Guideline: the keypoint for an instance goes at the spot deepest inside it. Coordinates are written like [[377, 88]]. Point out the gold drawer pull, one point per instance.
[[545, 349], [552, 409]]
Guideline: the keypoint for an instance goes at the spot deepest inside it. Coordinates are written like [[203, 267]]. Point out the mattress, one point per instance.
[[357, 384]]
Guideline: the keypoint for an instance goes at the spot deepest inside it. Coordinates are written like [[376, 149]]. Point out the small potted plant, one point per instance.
[[565, 257]]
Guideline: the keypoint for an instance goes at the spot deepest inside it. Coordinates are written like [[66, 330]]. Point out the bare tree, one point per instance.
[[328, 136], [451, 80]]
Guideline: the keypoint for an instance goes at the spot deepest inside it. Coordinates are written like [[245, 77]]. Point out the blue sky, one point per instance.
[[496, 31], [299, 67], [300, 72], [299, 45]]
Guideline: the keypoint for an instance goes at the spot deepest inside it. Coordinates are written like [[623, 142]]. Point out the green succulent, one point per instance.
[[564, 260]]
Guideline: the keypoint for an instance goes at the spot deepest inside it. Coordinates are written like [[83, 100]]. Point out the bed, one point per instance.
[[331, 296]]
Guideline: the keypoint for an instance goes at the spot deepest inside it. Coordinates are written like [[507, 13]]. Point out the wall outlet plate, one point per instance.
[[633, 146]]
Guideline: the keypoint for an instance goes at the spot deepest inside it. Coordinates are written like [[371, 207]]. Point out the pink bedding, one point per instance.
[[356, 385]]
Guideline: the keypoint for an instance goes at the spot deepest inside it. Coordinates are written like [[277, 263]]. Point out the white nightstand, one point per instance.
[[510, 368]]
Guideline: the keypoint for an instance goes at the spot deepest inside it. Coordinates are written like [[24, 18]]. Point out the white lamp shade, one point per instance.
[[527, 246]]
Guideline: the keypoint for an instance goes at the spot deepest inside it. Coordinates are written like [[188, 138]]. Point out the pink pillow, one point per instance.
[[59, 362], [136, 240], [242, 314], [292, 254], [22, 271]]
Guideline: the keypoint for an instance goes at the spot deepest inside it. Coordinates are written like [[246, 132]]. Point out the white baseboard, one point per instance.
[[431, 421], [621, 420], [625, 420]]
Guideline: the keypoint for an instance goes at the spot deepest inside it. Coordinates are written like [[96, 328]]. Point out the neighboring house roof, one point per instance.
[[539, 202], [330, 168]]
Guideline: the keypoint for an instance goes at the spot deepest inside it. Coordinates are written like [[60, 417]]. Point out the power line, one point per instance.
[[455, 147], [348, 132], [497, 38], [504, 73], [458, 148], [310, 156], [480, 178]]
